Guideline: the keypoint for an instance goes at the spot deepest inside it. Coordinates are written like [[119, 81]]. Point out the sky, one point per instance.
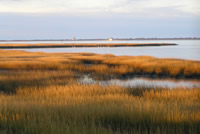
[[64, 19]]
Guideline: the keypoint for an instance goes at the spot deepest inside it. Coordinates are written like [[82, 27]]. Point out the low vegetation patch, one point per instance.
[[109, 65], [40, 94], [54, 45]]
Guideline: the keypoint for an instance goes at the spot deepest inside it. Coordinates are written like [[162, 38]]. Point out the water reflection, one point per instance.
[[186, 49], [144, 82]]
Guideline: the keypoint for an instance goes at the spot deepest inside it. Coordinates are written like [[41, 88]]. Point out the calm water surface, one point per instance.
[[186, 49], [144, 82]]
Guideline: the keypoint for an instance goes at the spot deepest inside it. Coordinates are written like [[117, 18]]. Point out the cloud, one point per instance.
[[142, 7]]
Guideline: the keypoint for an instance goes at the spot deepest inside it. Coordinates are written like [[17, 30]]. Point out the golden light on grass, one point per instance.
[[54, 45], [95, 107], [109, 64], [40, 93]]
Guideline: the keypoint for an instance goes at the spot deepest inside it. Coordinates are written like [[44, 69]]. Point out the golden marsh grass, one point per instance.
[[95, 109], [40, 94], [99, 64], [53, 45]]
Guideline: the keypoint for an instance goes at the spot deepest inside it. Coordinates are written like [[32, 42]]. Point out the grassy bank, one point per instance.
[[54, 45], [40, 94], [72, 108], [102, 65]]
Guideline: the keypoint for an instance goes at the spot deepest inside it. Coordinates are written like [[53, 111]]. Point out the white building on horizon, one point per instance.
[[110, 39]]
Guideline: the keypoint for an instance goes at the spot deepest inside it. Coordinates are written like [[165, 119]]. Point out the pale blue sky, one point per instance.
[[50, 19]]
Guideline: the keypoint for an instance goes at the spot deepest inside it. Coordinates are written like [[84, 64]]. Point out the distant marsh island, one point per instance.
[[57, 45]]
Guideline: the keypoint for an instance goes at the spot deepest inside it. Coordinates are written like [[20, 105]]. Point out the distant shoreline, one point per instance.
[[113, 39], [71, 45]]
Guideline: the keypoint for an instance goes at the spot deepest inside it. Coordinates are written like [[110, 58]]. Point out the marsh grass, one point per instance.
[[60, 45], [11, 80], [95, 109], [40, 94], [99, 64]]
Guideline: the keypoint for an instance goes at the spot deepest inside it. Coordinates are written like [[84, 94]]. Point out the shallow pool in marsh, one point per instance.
[[186, 49], [144, 82]]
